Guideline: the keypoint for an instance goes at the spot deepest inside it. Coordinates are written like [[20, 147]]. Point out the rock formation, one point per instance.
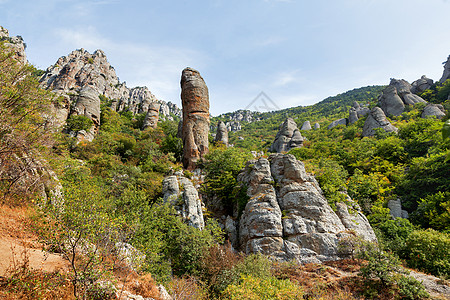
[[316, 126], [306, 126], [395, 209], [433, 110], [14, 44], [222, 133], [180, 192], [352, 116], [152, 116], [335, 123], [233, 126], [395, 96], [446, 74], [421, 85], [377, 119], [288, 137], [195, 101], [88, 105], [287, 216]]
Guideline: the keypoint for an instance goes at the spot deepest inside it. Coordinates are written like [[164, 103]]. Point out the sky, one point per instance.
[[295, 52]]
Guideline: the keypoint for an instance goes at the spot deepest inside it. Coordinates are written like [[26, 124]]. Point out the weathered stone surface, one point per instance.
[[316, 126], [287, 216], [195, 100], [395, 209], [446, 74], [390, 102], [362, 111], [422, 84], [288, 137], [180, 192], [377, 119], [233, 126], [306, 126], [433, 110], [152, 117], [88, 105], [352, 116], [15, 44], [222, 133], [335, 123]]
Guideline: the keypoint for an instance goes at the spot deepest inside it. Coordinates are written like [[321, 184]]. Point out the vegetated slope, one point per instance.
[[258, 135]]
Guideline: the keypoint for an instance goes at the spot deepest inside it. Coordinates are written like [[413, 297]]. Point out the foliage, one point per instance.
[[429, 250], [434, 211], [394, 234], [256, 288], [78, 122]]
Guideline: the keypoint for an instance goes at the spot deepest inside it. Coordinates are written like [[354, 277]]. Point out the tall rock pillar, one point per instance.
[[195, 101]]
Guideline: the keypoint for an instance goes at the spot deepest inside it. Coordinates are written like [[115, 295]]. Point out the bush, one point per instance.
[[410, 288], [394, 234], [254, 288], [78, 122], [429, 251]]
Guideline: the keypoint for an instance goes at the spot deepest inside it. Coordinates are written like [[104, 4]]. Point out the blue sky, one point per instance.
[[297, 52]]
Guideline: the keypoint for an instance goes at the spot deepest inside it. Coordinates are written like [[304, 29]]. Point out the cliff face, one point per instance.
[[15, 44]]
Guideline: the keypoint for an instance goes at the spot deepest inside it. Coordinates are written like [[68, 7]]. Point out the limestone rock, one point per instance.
[[446, 74], [335, 123], [14, 44], [233, 126], [390, 102], [316, 126], [433, 110], [180, 192], [422, 84], [306, 126], [395, 209], [292, 219], [222, 133], [377, 119], [88, 104], [288, 137], [352, 116], [152, 117], [195, 100]]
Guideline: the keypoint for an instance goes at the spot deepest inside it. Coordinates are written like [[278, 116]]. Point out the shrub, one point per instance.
[[410, 288], [78, 122], [429, 250]]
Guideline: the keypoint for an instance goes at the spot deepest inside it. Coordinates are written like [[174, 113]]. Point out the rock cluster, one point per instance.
[[242, 115], [287, 138], [181, 193], [396, 96], [287, 216], [222, 133], [357, 111], [233, 126], [421, 85], [195, 130], [377, 119], [433, 110], [15, 44]]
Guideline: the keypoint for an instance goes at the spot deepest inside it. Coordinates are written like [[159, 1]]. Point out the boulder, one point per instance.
[[433, 110], [335, 123], [390, 102], [152, 116], [446, 74], [306, 126], [316, 126], [222, 133], [422, 84], [395, 209], [288, 137], [352, 116], [377, 119], [195, 101], [181, 193], [287, 216]]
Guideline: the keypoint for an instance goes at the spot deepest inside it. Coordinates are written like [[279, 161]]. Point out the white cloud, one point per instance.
[[287, 77], [157, 67]]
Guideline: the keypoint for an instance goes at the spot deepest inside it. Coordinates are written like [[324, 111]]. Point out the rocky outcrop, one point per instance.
[[446, 74], [222, 133], [195, 101], [395, 209], [287, 216], [233, 126], [242, 116], [15, 44], [181, 193], [306, 126], [316, 126], [377, 119], [335, 123], [88, 105], [422, 84], [352, 116], [395, 96], [152, 117], [433, 110], [288, 137]]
